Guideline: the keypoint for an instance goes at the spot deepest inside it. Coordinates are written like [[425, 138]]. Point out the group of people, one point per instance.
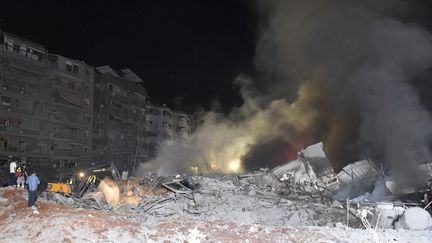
[[18, 177], [18, 174]]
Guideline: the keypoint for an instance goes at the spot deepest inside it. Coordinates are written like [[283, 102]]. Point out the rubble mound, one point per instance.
[[415, 218]]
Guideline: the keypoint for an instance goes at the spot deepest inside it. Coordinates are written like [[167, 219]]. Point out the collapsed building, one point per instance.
[[306, 191]]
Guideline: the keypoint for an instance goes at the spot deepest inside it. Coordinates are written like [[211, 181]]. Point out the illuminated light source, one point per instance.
[[234, 166], [194, 169], [213, 165], [81, 174]]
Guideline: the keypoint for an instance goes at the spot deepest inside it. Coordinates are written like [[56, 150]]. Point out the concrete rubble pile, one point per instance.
[[371, 196], [303, 192]]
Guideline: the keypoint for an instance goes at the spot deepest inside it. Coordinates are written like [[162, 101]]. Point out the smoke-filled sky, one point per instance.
[[336, 71], [347, 66]]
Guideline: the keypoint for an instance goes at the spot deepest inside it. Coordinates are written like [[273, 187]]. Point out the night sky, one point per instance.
[[187, 52]]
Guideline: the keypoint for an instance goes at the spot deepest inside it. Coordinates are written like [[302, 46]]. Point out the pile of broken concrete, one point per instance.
[[304, 192]]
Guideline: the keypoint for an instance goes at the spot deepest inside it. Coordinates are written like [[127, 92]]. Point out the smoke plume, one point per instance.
[[332, 71]]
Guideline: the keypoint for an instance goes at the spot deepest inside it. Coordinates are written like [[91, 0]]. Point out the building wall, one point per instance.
[[69, 111], [61, 113], [119, 125], [23, 67], [164, 125], [45, 109], [200, 117]]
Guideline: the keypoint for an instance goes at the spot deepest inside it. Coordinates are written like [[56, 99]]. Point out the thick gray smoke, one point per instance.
[[361, 59], [335, 71]]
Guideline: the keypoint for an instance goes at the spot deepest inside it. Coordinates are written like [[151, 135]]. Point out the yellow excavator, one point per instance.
[[78, 183]]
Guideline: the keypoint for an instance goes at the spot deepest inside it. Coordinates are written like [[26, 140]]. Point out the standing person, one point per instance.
[[20, 176], [12, 176], [24, 170], [33, 182]]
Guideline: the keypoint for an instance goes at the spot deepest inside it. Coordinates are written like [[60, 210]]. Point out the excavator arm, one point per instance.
[[86, 181]]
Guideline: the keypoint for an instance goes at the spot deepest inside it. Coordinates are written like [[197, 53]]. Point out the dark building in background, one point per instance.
[[46, 105], [60, 113], [23, 81], [119, 118], [165, 125], [198, 118], [69, 112]]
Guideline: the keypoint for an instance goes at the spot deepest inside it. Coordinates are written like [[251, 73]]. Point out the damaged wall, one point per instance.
[[35, 125], [119, 113]]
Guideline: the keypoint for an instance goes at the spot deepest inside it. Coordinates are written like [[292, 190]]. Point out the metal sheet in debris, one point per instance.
[[177, 187]]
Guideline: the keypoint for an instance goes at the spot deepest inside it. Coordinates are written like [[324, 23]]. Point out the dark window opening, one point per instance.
[[75, 69]]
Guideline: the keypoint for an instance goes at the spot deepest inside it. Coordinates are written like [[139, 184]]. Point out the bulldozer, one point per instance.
[[76, 184]]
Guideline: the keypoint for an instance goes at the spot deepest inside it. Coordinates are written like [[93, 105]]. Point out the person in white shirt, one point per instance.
[[12, 175]]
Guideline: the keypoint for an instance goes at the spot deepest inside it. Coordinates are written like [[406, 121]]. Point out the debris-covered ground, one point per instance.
[[294, 202], [54, 222]]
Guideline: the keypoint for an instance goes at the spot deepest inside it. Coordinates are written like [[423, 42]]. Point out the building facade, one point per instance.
[[60, 113], [119, 118], [164, 124], [198, 118], [23, 98], [69, 112], [46, 105]]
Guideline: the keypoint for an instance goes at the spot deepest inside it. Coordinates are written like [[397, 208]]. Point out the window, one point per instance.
[[86, 118], [38, 56], [6, 101], [75, 69], [69, 66], [16, 48], [85, 85]]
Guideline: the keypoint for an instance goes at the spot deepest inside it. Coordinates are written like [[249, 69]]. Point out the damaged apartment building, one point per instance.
[[62, 113], [46, 105], [119, 118], [164, 124]]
